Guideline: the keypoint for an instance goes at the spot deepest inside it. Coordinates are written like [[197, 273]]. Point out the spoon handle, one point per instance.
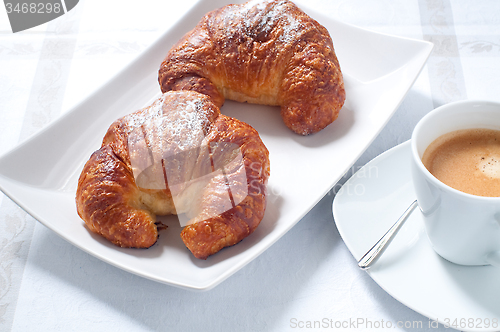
[[376, 251]]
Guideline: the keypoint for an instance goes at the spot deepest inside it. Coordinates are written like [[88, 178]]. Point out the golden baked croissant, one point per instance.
[[267, 52], [177, 156]]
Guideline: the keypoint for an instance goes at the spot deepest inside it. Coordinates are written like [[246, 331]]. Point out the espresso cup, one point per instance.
[[462, 228]]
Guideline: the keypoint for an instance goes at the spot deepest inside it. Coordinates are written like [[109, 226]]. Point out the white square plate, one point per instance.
[[41, 174]]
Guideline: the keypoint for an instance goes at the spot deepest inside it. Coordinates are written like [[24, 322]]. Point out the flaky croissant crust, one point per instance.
[[112, 204], [267, 52]]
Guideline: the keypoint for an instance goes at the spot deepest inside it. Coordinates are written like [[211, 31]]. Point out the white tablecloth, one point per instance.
[[46, 284]]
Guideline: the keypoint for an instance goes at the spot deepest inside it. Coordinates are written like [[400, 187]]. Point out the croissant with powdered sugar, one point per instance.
[[263, 52], [176, 156]]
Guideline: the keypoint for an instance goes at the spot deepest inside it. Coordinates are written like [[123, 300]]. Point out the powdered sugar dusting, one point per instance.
[[174, 124], [257, 17], [171, 130]]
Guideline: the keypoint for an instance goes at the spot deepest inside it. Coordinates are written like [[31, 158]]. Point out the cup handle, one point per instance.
[[493, 258]]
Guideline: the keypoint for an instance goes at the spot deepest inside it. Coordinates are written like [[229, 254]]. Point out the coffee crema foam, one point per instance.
[[467, 160]]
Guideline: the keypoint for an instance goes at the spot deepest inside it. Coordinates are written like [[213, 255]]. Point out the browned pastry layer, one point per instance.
[[177, 156], [267, 52]]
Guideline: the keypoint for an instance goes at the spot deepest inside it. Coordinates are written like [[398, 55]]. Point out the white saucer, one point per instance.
[[464, 298]]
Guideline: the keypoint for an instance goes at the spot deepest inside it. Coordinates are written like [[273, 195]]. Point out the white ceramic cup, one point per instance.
[[462, 228]]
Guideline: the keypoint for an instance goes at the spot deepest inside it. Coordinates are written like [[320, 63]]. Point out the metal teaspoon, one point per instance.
[[376, 251]]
